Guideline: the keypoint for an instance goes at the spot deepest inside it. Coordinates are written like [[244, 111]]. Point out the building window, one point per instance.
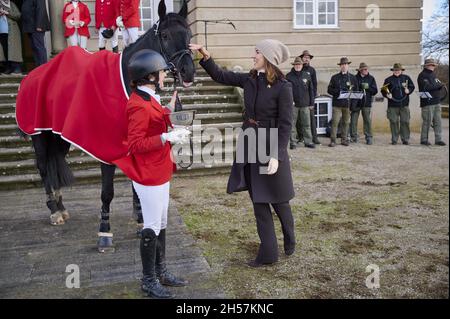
[[146, 14], [323, 113], [309, 14]]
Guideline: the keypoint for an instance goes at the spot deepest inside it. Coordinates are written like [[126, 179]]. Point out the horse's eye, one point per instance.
[[164, 36]]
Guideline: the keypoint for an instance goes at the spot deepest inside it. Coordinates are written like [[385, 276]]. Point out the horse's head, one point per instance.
[[174, 36]]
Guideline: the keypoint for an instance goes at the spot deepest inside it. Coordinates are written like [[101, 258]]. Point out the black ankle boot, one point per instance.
[[150, 283], [115, 49], [165, 277]]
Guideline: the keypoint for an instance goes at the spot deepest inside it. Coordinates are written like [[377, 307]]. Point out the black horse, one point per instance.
[[170, 36]]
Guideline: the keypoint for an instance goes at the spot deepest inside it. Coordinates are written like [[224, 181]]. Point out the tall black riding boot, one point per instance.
[[150, 283], [165, 277]]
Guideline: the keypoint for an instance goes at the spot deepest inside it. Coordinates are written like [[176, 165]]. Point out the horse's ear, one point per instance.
[[184, 10], [162, 10]]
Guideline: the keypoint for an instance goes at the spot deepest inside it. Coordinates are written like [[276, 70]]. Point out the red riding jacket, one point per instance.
[[80, 13], [129, 10], [106, 12], [149, 161]]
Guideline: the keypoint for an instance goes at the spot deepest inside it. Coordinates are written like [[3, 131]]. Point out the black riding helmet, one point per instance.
[[145, 62]]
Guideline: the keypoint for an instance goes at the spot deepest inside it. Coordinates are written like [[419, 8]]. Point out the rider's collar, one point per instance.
[[150, 92]]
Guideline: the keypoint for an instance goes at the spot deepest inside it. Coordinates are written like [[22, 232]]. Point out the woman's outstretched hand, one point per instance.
[[171, 104], [200, 48]]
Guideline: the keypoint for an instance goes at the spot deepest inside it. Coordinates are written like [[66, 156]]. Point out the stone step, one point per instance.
[[11, 78], [89, 176], [207, 118], [204, 99], [199, 88], [8, 129], [27, 152], [8, 97], [214, 108], [7, 119], [7, 108], [28, 166], [9, 87]]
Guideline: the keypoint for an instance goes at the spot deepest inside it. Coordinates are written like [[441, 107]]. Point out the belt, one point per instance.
[[263, 123]]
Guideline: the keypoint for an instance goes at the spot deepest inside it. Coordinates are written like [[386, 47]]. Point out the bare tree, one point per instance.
[[435, 37]]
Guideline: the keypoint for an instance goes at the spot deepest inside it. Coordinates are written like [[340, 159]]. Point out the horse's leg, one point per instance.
[[105, 240], [65, 176], [137, 212], [40, 145], [59, 204]]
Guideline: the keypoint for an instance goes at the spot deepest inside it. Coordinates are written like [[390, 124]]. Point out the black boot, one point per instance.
[[115, 49], [165, 277], [150, 283], [101, 49]]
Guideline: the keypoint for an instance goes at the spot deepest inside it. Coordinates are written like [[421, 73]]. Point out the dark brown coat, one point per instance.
[[271, 106]]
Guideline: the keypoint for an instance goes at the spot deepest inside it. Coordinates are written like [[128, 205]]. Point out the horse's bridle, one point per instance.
[[174, 60]]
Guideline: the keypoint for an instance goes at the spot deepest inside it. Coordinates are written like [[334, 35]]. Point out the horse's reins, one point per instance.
[[174, 61]]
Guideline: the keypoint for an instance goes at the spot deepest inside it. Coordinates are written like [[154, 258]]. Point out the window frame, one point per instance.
[[315, 24], [154, 8]]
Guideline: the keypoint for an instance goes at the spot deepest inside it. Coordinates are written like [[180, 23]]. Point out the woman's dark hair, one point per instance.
[[144, 81], [273, 73]]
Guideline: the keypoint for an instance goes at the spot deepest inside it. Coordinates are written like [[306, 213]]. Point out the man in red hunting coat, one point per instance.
[[76, 17], [106, 13], [129, 20]]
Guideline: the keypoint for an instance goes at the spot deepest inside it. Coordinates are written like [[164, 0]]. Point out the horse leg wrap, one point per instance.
[[64, 213], [104, 222]]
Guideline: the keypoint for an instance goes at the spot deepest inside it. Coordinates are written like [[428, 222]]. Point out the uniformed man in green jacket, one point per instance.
[[397, 88], [342, 82], [430, 107]]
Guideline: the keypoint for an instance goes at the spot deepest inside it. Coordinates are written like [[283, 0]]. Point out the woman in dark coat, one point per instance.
[[268, 105]]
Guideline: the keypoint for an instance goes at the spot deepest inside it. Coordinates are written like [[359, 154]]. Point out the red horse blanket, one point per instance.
[[81, 96]]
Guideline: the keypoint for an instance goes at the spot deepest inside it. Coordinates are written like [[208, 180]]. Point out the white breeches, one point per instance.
[[130, 35], [155, 205], [76, 39], [102, 41]]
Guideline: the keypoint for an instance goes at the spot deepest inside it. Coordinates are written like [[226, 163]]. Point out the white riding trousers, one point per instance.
[[75, 39], [155, 205], [130, 35]]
